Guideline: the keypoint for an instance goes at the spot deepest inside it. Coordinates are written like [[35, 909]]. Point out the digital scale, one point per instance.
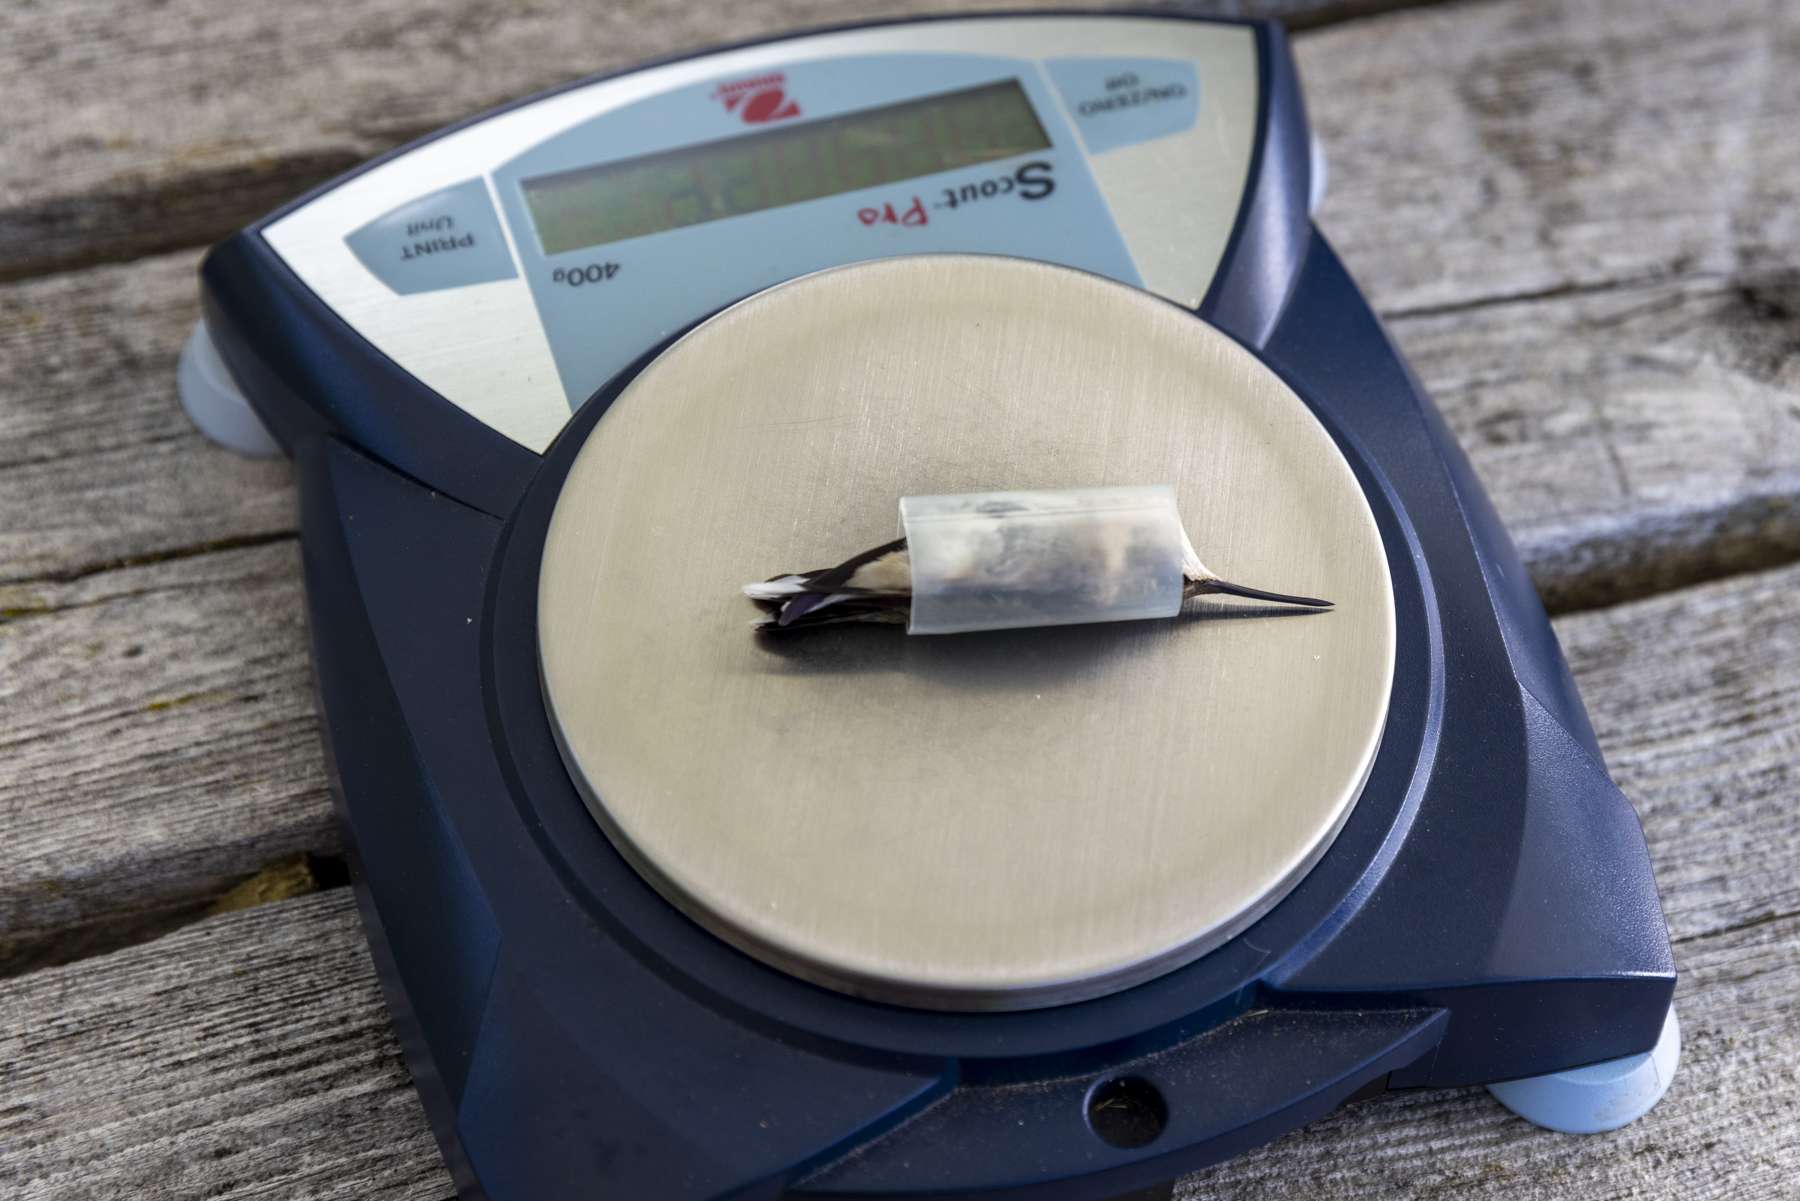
[[667, 909]]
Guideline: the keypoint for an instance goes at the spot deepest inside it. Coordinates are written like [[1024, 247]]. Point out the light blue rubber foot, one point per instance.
[[1601, 1096], [214, 402]]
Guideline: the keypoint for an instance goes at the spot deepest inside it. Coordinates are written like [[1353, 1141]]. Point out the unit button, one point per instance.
[[1121, 101], [444, 240]]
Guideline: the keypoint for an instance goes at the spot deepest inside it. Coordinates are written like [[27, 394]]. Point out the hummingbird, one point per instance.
[[877, 586]]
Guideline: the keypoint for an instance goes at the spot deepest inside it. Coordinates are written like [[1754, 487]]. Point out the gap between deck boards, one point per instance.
[[171, 554]]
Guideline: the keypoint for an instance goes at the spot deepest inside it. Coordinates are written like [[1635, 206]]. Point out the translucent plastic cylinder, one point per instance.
[[1005, 560]]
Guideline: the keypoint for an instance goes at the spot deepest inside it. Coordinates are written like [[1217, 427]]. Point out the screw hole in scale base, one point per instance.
[[1127, 1112]]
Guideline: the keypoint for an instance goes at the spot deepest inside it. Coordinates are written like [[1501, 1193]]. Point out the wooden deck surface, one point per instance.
[[1580, 219]]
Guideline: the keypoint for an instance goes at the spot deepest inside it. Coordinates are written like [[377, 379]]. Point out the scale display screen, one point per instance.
[[590, 206]]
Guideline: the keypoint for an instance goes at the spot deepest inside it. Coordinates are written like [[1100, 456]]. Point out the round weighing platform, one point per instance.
[[979, 821]]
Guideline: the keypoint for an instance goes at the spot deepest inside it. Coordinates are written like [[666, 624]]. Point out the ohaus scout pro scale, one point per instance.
[[665, 908]]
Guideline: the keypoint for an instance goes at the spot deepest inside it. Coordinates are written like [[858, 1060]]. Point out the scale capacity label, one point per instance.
[[586, 273]]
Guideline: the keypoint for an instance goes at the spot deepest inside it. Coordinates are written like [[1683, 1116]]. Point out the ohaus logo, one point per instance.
[[758, 100]]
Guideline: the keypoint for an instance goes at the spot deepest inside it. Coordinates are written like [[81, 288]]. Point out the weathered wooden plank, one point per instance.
[[249, 1056], [1651, 435], [1634, 439], [262, 1030], [160, 744], [98, 463], [1506, 149], [1696, 699], [138, 129]]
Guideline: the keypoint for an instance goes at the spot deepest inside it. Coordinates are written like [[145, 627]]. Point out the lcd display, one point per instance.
[[667, 190]]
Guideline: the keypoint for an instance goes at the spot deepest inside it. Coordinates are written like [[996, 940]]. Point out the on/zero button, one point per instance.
[[443, 240], [1122, 101]]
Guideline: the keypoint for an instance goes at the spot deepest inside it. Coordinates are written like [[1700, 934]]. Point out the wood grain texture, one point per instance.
[[247, 1056], [161, 744], [137, 129], [1696, 700], [99, 465], [1495, 150], [1634, 439]]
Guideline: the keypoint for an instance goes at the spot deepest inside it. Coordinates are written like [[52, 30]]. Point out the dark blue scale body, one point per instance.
[[1488, 911]]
